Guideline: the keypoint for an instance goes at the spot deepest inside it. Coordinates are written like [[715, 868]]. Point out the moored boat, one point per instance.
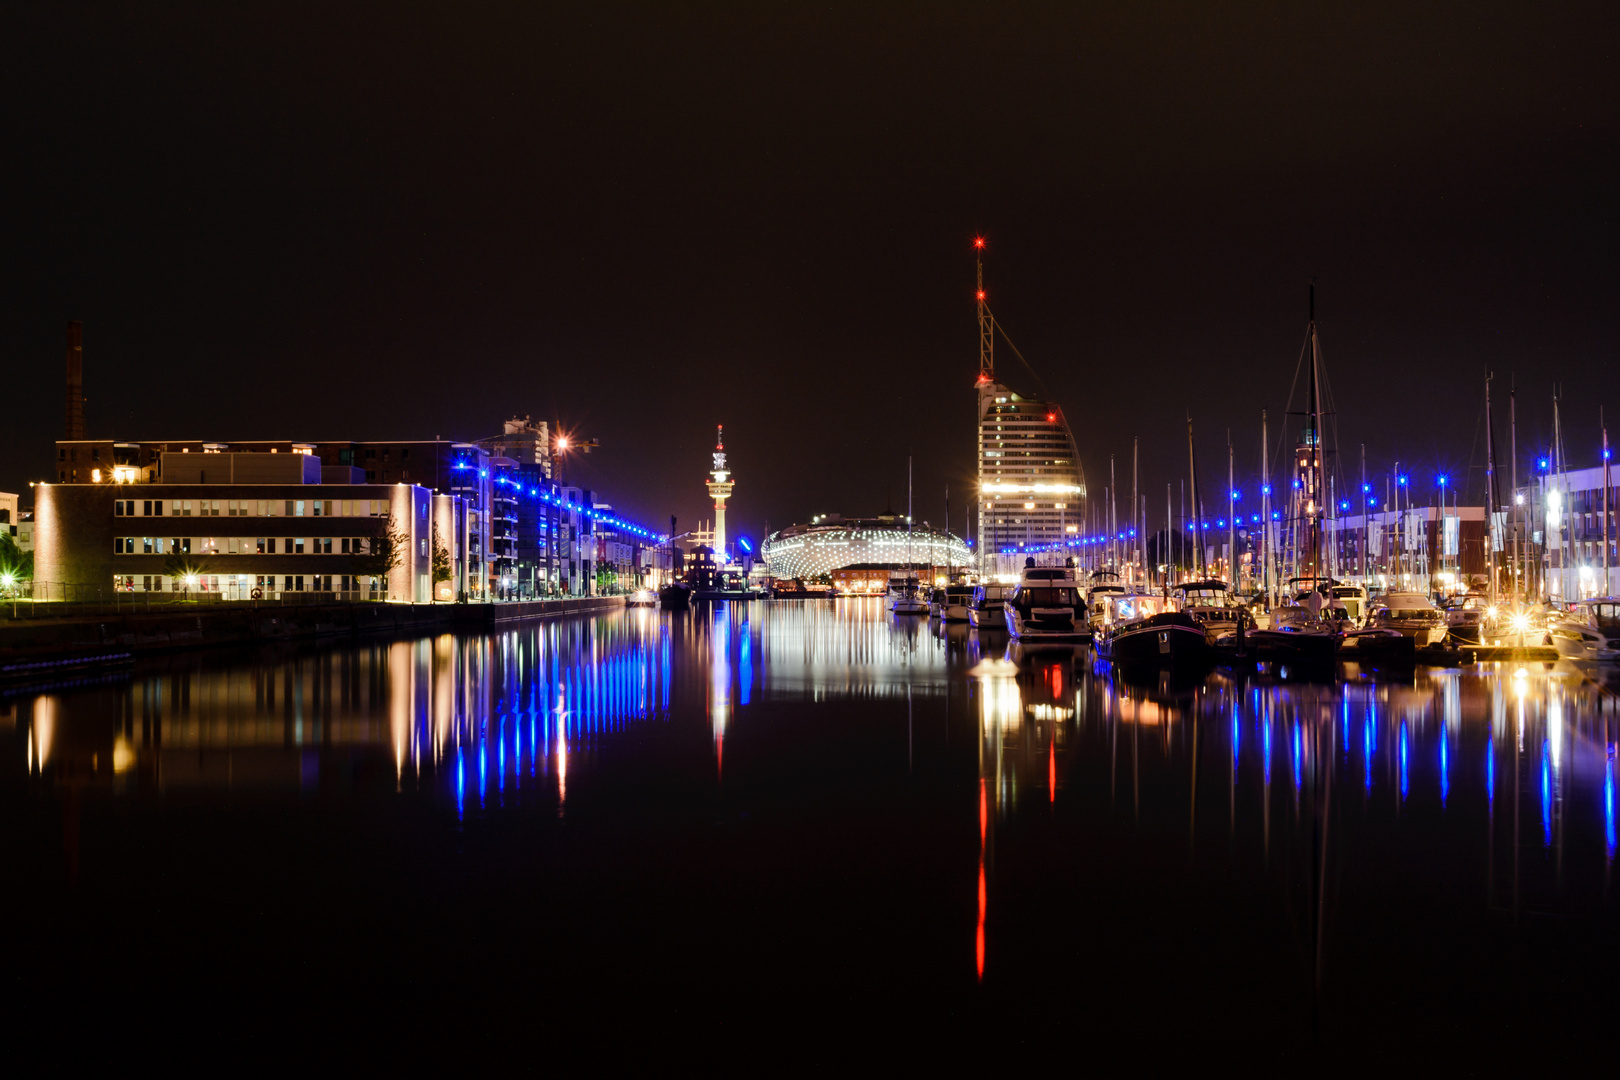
[[984, 612], [1465, 619], [1212, 604], [1101, 585], [1297, 635], [1148, 631], [906, 596], [1046, 605], [1590, 632], [1409, 614], [1371, 645], [955, 603]]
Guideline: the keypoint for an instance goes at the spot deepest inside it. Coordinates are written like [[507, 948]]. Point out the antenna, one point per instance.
[[987, 322]]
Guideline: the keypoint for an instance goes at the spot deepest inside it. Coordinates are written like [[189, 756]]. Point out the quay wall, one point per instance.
[[24, 641]]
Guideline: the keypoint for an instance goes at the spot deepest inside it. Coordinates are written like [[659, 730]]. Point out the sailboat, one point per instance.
[[1298, 631], [674, 594], [905, 589]]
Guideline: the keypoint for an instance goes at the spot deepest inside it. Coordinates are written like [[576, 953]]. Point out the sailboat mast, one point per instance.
[[1313, 492], [1400, 533], [1135, 503], [1364, 503], [1558, 522], [1113, 516], [1231, 518], [1197, 506], [1513, 466], [1607, 590], [1491, 502], [1265, 504]]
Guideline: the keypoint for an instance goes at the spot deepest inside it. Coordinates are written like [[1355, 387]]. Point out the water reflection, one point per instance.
[[536, 715]]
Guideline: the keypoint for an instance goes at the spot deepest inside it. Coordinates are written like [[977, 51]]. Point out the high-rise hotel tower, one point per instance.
[[1032, 490]]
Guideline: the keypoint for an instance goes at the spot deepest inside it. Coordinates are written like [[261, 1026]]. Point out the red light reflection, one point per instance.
[[979, 937], [1051, 772], [984, 822]]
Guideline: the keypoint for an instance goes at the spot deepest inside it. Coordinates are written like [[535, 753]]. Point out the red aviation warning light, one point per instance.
[[1051, 418], [987, 345]]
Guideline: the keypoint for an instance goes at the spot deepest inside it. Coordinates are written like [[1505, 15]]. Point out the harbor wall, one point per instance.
[[25, 641]]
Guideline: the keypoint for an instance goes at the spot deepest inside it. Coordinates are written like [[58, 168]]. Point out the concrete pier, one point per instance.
[[25, 643]]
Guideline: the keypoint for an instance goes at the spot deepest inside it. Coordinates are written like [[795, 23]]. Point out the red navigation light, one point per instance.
[[981, 294], [1051, 418], [978, 241]]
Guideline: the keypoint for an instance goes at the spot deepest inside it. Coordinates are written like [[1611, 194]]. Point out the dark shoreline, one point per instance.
[[32, 648]]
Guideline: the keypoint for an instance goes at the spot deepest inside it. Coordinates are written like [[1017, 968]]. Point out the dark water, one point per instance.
[[787, 835]]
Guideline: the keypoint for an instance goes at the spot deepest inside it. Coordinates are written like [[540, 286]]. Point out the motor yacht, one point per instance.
[[985, 608], [1102, 585], [1590, 632], [1465, 618], [1377, 646], [1047, 605], [1411, 614], [1298, 633], [957, 600], [1354, 600]]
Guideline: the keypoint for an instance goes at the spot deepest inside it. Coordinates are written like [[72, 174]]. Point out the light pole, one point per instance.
[[1400, 527], [1440, 483]]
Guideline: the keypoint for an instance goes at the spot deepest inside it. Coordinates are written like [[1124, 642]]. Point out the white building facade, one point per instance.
[[1032, 491]]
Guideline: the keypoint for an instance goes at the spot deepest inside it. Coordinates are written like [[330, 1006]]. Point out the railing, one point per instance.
[[56, 600]]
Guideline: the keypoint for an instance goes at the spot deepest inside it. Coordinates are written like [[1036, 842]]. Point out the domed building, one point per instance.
[[833, 541]]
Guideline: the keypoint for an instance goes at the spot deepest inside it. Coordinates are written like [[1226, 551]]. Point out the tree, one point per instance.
[[387, 552], [441, 558], [17, 565]]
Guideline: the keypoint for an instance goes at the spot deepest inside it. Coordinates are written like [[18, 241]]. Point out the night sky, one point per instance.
[[399, 221]]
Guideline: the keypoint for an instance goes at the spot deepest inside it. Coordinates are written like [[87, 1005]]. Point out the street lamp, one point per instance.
[[1440, 482]]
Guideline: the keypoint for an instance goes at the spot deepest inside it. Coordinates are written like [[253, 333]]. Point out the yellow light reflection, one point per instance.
[[44, 732]]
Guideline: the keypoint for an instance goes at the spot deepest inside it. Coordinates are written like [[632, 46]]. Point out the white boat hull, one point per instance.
[[1059, 625], [1583, 643], [987, 618]]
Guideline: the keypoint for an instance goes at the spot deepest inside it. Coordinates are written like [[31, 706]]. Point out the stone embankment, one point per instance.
[[28, 646]]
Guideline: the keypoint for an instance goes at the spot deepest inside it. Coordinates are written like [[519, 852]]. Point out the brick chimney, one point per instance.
[[75, 380]]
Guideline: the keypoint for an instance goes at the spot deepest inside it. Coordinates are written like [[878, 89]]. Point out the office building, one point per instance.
[[241, 525]]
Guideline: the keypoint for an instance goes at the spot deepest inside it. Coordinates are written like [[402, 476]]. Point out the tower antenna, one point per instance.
[[987, 322], [720, 485]]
